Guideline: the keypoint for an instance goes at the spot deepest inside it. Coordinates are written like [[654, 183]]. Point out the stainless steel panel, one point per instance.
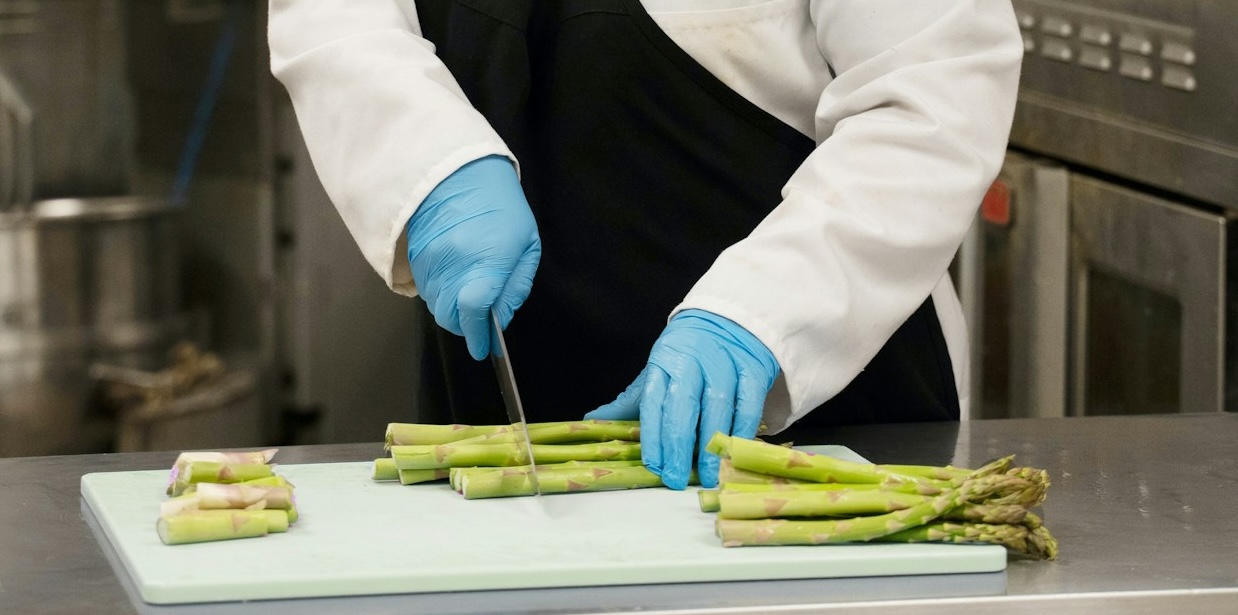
[[67, 57], [1014, 291], [1150, 250], [1163, 118], [80, 280]]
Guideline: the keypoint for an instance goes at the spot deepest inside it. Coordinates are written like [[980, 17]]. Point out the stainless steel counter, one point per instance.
[[1144, 507]]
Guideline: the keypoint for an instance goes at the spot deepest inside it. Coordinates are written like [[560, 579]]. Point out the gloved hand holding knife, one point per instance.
[[473, 245]]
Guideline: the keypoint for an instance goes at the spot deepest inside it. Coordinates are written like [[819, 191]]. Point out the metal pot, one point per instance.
[[81, 280]]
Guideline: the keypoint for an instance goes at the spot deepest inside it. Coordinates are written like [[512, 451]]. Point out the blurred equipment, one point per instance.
[[1100, 276], [159, 410], [65, 59], [81, 280]]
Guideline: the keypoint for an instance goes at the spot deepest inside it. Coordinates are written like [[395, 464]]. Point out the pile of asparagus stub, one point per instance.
[[775, 495], [490, 461], [768, 494], [225, 495]]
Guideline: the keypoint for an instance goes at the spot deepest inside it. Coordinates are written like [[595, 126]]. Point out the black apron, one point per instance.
[[640, 167]]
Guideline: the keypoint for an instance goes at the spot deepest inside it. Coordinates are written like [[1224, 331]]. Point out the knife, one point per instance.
[[511, 396]]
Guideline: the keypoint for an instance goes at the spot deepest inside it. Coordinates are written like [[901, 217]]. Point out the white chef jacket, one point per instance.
[[910, 133]]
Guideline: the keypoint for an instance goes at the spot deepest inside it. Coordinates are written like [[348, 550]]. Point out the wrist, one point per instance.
[[484, 171], [732, 332]]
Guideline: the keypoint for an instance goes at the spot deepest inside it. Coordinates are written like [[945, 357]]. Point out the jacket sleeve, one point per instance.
[[382, 117], [909, 136]]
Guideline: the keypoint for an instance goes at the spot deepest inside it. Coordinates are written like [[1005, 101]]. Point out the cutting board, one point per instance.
[[359, 537]]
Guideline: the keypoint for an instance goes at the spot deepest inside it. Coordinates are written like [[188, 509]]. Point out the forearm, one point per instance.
[[911, 133], [382, 117]]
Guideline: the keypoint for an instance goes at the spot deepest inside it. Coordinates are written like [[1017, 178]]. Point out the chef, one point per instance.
[[714, 215]]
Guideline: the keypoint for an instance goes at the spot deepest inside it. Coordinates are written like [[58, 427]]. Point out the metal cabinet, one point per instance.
[[1148, 294], [1085, 296]]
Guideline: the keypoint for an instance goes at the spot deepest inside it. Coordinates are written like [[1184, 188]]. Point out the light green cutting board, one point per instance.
[[359, 537]]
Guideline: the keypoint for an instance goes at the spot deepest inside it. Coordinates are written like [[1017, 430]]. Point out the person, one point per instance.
[[749, 206]]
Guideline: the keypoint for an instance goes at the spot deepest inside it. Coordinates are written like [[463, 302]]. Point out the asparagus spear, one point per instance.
[[977, 512], [564, 433], [930, 472], [729, 474], [757, 456], [449, 455], [741, 532], [418, 433], [1041, 544], [980, 512], [912, 488], [458, 473], [384, 469], [505, 482], [803, 503], [205, 527], [1018, 539]]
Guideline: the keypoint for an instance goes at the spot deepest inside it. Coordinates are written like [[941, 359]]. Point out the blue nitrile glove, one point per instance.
[[705, 374], [473, 244]]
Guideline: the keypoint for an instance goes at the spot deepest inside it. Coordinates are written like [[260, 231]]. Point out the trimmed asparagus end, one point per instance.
[[204, 527]]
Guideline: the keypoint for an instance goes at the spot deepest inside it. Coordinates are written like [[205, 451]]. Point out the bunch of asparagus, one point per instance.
[[223, 496], [774, 495], [488, 461]]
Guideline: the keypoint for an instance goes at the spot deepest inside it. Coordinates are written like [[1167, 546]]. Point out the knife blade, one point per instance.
[[501, 358]]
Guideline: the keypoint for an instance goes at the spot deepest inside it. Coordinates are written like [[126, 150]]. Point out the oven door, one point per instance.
[[1148, 304]]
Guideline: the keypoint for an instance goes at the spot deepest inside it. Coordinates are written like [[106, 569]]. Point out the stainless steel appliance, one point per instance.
[[81, 280], [1100, 276], [66, 60]]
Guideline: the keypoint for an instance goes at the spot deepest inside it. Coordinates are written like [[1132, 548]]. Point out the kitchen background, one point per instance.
[[172, 275]]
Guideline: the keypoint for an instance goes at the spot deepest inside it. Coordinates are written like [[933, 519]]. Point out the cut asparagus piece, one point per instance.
[[384, 469], [240, 495], [708, 499], [457, 473], [221, 457], [564, 433], [256, 457], [506, 482], [206, 527], [212, 496], [274, 480], [215, 472], [277, 520], [413, 477], [452, 455]]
